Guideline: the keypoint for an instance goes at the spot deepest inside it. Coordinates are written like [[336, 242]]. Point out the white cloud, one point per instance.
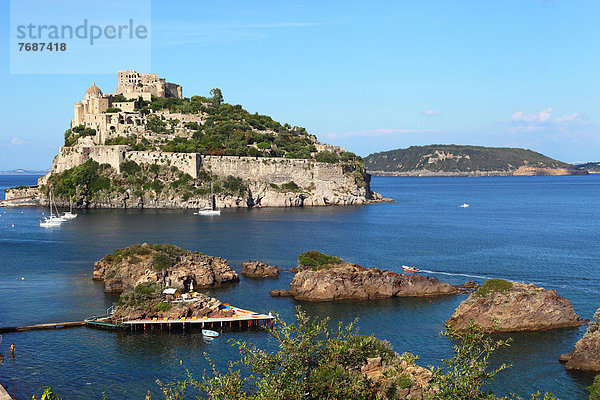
[[15, 141], [542, 116], [431, 113]]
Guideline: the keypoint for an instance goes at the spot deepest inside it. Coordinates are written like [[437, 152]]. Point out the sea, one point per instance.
[[541, 230]]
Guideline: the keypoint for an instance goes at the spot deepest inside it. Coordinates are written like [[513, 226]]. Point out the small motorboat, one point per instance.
[[464, 205], [209, 334], [69, 215], [410, 269]]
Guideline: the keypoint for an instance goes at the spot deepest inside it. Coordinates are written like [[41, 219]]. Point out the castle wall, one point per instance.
[[185, 162], [319, 178], [305, 173], [70, 157]]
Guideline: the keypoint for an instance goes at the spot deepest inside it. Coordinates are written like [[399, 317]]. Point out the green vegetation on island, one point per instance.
[[316, 260], [223, 129], [100, 181], [457, 159], [493, 285]]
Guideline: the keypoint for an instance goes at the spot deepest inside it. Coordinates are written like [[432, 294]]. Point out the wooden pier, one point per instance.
[[58, 325], [242, 319]]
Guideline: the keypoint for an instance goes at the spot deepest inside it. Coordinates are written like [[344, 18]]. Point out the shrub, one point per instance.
[[113, 110], [493, 285], [145, 288], [317, 260], [290, 186], [162, 261], [327, 157], [595, 389], [129, 168], [162, 306]]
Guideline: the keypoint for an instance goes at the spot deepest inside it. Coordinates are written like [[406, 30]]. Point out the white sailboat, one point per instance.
[[212, 209], [52, 220], [69, 214]]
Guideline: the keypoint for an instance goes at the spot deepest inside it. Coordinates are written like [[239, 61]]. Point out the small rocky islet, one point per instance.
[[505, 306], [586, 353], [320, 277]]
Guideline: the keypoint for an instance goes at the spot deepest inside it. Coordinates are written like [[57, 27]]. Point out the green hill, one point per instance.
[[459, 160]]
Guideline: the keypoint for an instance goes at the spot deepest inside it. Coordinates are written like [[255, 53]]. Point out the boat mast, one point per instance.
[[212, 198]]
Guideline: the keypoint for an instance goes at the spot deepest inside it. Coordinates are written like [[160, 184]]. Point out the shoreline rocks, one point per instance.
[[586, 353], [168, 265], [259, 269], [503, 306]]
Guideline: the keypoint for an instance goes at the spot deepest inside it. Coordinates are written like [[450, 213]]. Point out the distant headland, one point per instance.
[[146, 146], [459, 160]]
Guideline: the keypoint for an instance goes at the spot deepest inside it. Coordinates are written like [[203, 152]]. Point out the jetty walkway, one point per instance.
[[242, 319], [57, 325]]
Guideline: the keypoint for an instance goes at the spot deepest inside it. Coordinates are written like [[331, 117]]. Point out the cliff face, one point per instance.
[[515, 307], [457, 160], [163, 264], [267, 182], [586, 353], [359, 283]]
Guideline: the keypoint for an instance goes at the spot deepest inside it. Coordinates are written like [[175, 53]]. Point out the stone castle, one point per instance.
[[112, 118], [321, 183]]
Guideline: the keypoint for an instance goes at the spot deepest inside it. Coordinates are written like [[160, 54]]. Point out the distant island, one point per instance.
[[591, 167], [146, 146], [25, 172], [459, 160]]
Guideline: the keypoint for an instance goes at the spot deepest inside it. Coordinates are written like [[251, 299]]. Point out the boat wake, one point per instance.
[[456, 274]]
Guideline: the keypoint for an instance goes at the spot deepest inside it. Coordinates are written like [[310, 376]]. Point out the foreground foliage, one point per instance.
[[314, 362]]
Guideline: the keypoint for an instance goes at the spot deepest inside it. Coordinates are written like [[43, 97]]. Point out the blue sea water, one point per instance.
[[542, 230]]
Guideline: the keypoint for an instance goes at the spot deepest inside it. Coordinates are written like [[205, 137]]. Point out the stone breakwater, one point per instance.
[[353, 282], [523, 307]]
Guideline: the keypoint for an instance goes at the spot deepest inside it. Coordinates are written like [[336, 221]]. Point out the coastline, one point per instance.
[[476, 174]]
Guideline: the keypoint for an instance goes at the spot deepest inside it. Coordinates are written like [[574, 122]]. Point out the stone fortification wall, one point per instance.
[[275, 170], [185, 162], [70, 157]]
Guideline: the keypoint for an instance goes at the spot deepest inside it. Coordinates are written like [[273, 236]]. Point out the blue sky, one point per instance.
[[370, 76]]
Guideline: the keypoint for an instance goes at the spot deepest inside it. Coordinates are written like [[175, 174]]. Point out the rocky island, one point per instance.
[[586, 353], [166, 264], [459, 160], [321, 277], [504, 306], [259, 269], [146, 146], [140, 273]]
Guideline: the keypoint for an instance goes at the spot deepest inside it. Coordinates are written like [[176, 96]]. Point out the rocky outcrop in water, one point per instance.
[[503, 306], [354, 282], [135, 304], [168, 265], [259, 269], [586, 353]]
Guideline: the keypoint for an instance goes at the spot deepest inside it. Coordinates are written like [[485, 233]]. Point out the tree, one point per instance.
[[216, 96]]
